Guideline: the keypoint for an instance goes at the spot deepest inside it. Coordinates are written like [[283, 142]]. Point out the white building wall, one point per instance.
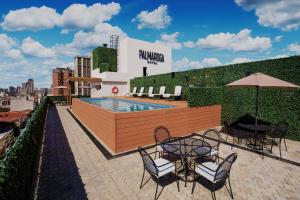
[[130, 66], [131, 63]]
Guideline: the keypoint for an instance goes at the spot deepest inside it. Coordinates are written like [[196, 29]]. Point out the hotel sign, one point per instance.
[[151, 57]]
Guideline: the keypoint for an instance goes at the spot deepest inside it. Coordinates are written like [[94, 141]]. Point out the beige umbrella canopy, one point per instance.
[[260, 80], [61, 87]]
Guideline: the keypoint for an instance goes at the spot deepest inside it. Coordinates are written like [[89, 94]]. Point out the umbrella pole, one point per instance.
[[256, 108]]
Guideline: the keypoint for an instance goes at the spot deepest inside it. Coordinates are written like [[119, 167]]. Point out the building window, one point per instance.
[[79, 71], [79, 62]]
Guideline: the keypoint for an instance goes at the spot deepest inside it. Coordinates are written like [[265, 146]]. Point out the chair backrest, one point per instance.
[[150, 91], [162, 90], [161, 133], [141, 90], [134, 90], [215, 135], [177, 91], [148, 162], [224, 168]]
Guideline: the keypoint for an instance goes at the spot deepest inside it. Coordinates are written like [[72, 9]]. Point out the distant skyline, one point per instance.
[[38, 36]]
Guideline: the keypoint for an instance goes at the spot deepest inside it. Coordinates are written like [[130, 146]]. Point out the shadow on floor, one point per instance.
[[59, 177]]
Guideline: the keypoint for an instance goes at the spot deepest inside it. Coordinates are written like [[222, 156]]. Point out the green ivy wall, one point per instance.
[[208, 88], [105, 59]]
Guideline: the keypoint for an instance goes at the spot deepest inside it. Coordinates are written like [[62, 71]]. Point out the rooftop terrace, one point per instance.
[[72, 167]]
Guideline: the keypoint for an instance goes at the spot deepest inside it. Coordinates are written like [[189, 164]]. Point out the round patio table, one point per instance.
[[260, 131], [186, 148]]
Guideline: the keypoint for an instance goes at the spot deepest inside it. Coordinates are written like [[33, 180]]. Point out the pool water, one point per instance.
[[122, 105]]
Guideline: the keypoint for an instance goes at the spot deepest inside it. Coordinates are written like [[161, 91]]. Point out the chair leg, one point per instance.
[[213, 193], [279, 145], [231, 193], [155, 197], [177, 183], [194, 184], [284, 143], [141, 185]]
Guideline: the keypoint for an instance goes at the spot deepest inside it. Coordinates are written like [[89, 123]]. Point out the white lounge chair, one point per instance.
[[161, 92], [133, 91], [141, 92], [150, 92], [177, 93]]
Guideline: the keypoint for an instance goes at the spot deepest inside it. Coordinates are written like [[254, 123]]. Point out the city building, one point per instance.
[[30, 86], [130, 59], [82, 65], [12, 91], [60, 77]]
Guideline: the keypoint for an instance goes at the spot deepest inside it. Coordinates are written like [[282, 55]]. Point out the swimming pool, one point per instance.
[[122, 105]]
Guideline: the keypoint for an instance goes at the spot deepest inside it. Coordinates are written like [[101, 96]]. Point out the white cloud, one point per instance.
[[14, 54], [281, 56], [95, 38], [282, 14], [8, 47], [156, 19], [32, 18], [240, 60], [74, 17], [278, 38], [189, 44], [186, 64], [294, 47], [242, 41], [33, 48], [82, 16], [170, 40]]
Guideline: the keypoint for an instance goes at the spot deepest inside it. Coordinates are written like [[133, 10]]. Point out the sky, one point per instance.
[[37, 36]]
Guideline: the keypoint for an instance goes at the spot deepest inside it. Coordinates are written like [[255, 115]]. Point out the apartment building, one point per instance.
[[82, 65], [59, 81]]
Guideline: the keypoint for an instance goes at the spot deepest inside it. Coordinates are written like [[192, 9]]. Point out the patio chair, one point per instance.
[[162, 90], [237, 134], [141, 92], [212, 137], [176, 95], [215, 173], [275, 137], [133, 92], [157, 169], [161, 133]]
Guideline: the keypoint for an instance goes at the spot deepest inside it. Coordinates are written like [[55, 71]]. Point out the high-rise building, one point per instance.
[[59, 81], [30, 86], [82, 66], [12, 91]]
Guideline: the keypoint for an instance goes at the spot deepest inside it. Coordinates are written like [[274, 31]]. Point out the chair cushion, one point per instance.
[[213, 152], [166, 168], [159, 148], [207, 170]]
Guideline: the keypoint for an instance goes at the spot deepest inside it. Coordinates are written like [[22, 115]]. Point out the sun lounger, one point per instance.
[[150, 92], [176, 95], [161, 92], [133, 92], [141, 93]]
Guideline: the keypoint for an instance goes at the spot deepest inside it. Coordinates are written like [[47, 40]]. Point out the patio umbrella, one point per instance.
[[260, 80], [61, 87]]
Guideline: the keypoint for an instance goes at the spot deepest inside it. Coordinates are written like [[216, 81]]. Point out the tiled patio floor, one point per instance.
[[68, 148]]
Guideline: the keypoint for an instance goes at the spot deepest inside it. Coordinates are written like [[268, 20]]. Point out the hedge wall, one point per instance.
[[275, 104], [18, 164], [105, 59]]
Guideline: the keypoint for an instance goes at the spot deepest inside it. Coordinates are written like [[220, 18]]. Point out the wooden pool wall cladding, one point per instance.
[[121, 132]]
